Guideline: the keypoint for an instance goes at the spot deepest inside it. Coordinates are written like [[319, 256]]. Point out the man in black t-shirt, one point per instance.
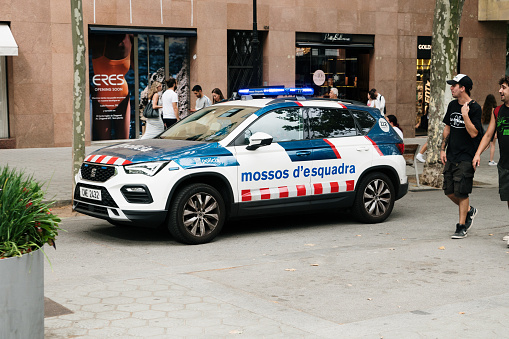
[[462, 134], [499, 123]]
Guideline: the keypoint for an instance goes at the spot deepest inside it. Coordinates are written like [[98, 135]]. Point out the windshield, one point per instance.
[[210, 124]]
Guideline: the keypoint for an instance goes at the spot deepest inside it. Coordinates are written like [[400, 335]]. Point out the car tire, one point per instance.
[[375, 198], [197, 214]]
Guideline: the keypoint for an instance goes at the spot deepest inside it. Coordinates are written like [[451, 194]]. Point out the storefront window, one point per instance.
[[423, 91], [114, 80], [341, 69]]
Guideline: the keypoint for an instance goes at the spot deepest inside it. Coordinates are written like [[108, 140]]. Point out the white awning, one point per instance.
[[8, 45]]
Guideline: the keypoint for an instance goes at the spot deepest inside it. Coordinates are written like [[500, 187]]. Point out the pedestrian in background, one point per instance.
[[333, 93], [170, 103], [372, 102], [487, 111], [393, 121], [380, 101], [498, 124], [202, 100], [154, 126], [461, 136], [217, 96]]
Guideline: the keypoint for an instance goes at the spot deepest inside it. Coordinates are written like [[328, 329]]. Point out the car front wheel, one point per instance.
[[375, 198], [197, 214]]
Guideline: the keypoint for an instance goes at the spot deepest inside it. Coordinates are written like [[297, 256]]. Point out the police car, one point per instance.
[[251, 157]]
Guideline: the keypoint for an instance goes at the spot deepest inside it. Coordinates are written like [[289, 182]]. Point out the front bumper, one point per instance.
[[149, 219]]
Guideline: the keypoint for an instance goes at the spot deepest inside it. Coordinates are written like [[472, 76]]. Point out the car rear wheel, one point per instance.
[[375, 198], [197, 214]]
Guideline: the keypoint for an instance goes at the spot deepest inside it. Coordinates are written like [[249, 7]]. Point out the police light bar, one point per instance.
[[271, 91]]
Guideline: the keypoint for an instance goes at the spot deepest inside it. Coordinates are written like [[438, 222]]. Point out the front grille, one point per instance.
[[99, 173], [107, 200]]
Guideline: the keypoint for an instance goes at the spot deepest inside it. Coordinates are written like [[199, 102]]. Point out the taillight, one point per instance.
[[401, 147]]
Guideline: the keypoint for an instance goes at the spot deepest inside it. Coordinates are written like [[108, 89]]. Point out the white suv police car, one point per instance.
[[248, 158]]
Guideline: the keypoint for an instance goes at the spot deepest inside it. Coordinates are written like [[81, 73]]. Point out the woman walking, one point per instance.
[[154, 126]]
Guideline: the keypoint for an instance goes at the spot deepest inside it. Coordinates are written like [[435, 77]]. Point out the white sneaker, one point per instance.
[[506, 238], [492, 163], [420, 158]]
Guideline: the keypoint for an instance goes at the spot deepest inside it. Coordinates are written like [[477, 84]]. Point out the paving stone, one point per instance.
[[205, 307], [103, 294], [151, 300], [78, 316], [57, 322], [121, 287], [136, 294], [91, 323], [169, 293], [166, 322], [146, 331], [205, 322], [186, 331], [166, 307], [113, 315], [185, 299], [150, 314], [67, 332], [140, 282], [129, 323], [133, 307], [118, 300], [82, 300], [106, 332], [153, 288], [96, 308], [184, 314]]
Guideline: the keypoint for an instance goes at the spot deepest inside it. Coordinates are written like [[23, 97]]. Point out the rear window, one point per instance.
[[330, 123], [365, 121]]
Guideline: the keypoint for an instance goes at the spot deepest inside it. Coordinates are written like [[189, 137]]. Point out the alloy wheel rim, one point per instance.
[[201, 214], [377, 197]]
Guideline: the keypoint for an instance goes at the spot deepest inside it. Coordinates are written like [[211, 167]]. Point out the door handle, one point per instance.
[[303, 153], [364, 148]]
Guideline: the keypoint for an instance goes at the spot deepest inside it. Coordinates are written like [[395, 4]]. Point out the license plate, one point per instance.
[[90, 193]]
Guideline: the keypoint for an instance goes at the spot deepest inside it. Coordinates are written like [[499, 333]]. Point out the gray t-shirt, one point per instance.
[[202, 102]]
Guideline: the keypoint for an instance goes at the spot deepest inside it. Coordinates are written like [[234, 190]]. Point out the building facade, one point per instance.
[[352, 45]]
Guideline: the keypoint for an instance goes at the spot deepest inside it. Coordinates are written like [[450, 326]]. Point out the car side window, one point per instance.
[[364, 120], [330, 123], [283, 124]]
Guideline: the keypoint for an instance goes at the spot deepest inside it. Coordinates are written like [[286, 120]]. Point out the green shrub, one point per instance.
[[26, 221]]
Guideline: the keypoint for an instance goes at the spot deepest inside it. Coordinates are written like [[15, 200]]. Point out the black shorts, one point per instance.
[[503, 183], [458, 178], [169, 122]]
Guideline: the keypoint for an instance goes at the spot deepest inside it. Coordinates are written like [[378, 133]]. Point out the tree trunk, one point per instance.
[[78, 44], [444, 61]]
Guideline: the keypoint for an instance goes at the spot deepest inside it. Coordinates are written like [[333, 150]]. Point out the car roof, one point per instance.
[[304, 101]]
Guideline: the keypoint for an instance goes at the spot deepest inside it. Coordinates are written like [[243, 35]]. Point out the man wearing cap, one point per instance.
[[461, 137], [499, 124]]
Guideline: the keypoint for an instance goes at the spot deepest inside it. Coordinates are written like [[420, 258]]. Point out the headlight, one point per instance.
[[147, 168]]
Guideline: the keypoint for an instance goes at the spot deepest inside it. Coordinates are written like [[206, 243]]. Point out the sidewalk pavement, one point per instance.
[[53, 166]]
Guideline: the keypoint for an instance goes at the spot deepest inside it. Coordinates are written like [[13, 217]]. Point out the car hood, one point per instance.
[[186, 153]]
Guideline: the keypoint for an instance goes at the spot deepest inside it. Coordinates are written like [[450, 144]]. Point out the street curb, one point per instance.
[[59, 203]]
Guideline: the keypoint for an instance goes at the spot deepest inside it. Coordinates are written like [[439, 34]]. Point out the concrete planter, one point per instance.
[[22, 296]]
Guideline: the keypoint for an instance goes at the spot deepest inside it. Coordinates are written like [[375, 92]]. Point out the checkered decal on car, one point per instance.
[[107, 160], [297, 190]]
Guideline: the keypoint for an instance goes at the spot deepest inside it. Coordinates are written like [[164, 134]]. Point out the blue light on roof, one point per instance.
[[275, 91]]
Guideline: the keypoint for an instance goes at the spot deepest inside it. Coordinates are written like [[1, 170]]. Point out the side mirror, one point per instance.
[[259, 139]]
